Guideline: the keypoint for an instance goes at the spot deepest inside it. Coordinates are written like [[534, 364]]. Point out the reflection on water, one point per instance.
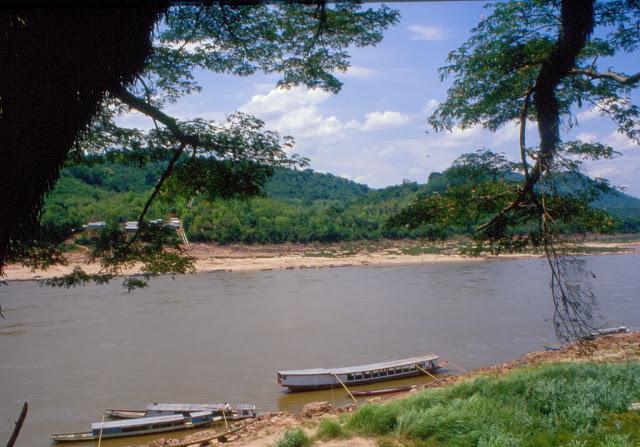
[[222, 336]]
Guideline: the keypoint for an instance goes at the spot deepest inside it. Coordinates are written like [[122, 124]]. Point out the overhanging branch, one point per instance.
[[611, 75], [155, 113]]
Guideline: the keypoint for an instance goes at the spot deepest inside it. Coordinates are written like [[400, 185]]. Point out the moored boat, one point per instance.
[[397, 389], [323, 378], [141, 426], [610, 330], [552, 347], [242, 411]]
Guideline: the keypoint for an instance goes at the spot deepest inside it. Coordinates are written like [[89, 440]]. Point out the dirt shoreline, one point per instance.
[[266, 429], [234, 258]]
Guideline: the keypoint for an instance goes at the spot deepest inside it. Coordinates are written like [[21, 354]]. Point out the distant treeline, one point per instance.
[[297, 206]]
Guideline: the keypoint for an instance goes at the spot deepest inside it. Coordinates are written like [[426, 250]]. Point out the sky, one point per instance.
[[374, 131]]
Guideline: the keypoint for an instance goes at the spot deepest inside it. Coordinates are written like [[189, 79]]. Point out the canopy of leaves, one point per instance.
[[493, 71], [306, 43]]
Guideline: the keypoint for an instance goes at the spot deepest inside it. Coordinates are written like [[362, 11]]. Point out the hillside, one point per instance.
[[297, 206]]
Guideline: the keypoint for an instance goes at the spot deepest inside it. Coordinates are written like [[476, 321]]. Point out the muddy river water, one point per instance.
[[222, 336]]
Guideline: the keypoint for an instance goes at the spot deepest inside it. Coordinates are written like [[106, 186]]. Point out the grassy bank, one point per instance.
[[568, 404]]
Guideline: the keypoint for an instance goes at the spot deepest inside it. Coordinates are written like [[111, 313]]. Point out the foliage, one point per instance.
[[537, 61], [502, 59], [298, 206], [562, 404], [481, 184], [330, 428], [306, 43], [294, 438]]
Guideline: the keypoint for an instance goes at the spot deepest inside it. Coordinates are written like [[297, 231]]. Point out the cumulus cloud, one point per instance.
[[430, 106], [620, 141], [358, 72], [586, 137], [279, 100], [384, 120], [429, 33], [588, 114], [295, 111]]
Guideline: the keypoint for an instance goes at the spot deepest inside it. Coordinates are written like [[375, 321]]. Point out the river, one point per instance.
[[222, 336]]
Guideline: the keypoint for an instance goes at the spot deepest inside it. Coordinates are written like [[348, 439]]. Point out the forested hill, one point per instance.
[[298, 206], [309, 185]]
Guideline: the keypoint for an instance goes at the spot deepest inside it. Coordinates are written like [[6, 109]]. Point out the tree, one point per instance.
[[306, 42], [535, 61]]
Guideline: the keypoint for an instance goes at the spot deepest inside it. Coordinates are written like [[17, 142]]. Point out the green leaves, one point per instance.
[[494, 69], [480, 185]]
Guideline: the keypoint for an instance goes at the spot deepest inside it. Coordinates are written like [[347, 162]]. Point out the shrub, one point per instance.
[[294, 438], [330, 429]]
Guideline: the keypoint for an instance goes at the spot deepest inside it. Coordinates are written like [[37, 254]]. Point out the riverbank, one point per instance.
[[216, 258], [579, 394]]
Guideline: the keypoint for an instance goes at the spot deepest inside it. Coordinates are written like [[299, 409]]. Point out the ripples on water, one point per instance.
[[222, 336]]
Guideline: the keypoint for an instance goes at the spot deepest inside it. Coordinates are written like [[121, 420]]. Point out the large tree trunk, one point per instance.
[[57, 66]]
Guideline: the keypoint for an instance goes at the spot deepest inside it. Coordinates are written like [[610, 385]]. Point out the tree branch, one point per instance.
[[523, 132], [167, 172], [155, 113], [611, 75], [577, 24]]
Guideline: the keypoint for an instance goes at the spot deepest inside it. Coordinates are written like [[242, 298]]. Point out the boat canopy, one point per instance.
[[198, 414], [241, 407], [184, 408], [360, 368], [137, 422]]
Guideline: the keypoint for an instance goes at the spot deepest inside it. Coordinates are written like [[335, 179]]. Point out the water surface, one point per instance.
[[221, 336]]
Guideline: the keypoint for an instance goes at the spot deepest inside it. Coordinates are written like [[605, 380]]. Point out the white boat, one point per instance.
[[610, 330], [136, 427], [242, 411], [323, 378]]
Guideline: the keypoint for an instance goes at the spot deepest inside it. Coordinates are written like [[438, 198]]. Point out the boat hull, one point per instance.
[[90, 436], [337, 385], [137, 414], [398, 389]]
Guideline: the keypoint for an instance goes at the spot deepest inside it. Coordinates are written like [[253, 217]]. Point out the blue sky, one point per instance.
[[374, 131]]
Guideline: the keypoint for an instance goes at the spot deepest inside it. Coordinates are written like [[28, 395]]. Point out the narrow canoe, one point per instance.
[[384, 391], [242, 411], [137, 427]]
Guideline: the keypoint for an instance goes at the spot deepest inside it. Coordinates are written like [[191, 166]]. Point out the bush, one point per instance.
[[330, 429], [294, 438]]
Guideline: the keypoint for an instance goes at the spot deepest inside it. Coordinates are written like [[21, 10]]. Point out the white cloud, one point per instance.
[[587, 137], [387, 151], [295, 111], [384, 120], [358, 72], [279, 100], [430, 106], [620, 141], [588, 114], [134, 120], [430, 33]]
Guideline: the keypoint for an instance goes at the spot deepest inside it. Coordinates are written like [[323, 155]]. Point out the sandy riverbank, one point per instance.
[[265, 430], [215, 258]]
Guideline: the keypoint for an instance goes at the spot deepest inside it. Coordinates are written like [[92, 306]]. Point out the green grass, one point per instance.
[[294, 438], [330, 428], [578, 405], [422, 250]]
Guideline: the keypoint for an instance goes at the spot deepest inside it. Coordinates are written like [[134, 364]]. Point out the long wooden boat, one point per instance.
[[136, 427], [397, 389], [610, 330], [242, 411], [323, 378]]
